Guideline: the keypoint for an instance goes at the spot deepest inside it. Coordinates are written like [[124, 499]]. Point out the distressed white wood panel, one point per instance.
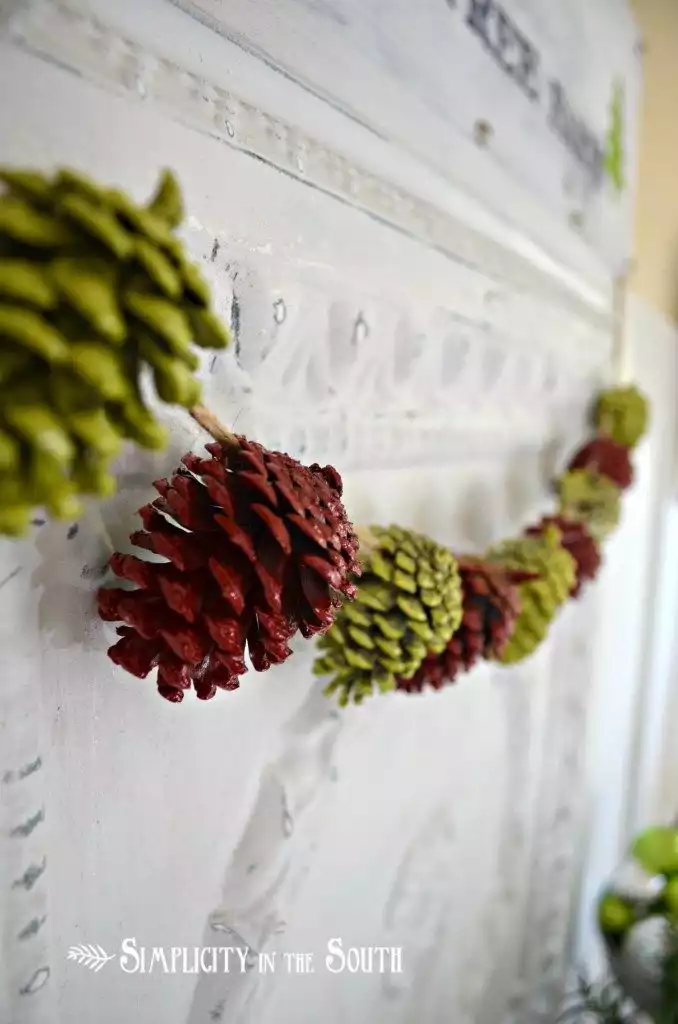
[[446, 396], [425, 74], [162, 56]]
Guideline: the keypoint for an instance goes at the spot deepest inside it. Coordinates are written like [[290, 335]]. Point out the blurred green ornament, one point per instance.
[[623, 415], [545, 574], [409, 604], [589, 498], [638, 926], [670, 896], [657, 850], [93, 290], [615, 914]]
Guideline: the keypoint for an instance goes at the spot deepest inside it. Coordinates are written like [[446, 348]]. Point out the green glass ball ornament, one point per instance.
[[615, 914], [637, 923], [657, 850]]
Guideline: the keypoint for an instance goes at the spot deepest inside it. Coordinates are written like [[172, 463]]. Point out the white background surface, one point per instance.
[[449, 824]]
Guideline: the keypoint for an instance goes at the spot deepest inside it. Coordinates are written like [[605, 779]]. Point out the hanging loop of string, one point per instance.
[[621, 342]]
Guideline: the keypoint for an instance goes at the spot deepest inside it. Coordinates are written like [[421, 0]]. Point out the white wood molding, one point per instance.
[[66, 31]]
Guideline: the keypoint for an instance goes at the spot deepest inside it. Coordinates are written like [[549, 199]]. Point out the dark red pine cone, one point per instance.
[[607, 458], [257, 547], [490, 609], [578, 541]]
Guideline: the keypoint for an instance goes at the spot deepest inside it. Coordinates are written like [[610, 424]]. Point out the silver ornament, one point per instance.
[[633, 883], [639, 964]]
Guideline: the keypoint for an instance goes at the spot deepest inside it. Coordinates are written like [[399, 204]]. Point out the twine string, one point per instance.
[[621, 348]]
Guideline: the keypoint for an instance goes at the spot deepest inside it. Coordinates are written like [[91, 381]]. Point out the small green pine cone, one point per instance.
[[592, 499], [93, 291], [408, 605], [622, 414], [551, 572]]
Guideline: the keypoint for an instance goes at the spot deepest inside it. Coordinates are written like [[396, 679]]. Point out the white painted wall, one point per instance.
[[446, 381]]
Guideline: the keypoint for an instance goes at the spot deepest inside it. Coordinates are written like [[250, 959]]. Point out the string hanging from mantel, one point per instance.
[[257, 547]]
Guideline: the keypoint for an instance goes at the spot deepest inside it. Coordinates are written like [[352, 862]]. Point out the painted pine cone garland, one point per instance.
[[257, 547], [576, 539], [490, 608], [622, 414], [592, 499], [607, 458], [408, 604], [540, 597], [93, 289]]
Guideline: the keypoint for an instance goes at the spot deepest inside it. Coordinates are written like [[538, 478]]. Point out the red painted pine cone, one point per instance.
[[490, 609], [257, 547], [607, 458], [578, 541]]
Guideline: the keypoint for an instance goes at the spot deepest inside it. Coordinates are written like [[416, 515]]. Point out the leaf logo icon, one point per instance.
[[93, 957]]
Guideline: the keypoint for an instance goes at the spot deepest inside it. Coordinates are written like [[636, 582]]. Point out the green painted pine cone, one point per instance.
[[408, 605], [93, 290], [592, 499], [623, 415], [553, 574]]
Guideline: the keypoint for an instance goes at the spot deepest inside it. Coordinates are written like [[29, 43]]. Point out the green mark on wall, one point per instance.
[[614, 155]]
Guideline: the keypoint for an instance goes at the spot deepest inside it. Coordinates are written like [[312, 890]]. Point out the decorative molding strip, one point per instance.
[[59, 31], [516, 371]]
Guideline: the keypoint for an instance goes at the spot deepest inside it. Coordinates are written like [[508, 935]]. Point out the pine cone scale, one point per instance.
[[147, 616], [227, 632], [233, 582], [183, 594], [220, 494], [271, 582], [131, 568], [237, 536], [190, 645], [275, 526], [310, 528], [327, 571], [137, 656], [258, 482]]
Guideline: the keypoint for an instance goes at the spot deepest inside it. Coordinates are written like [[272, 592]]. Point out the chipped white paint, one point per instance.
[[423, 74], [447, 382]]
